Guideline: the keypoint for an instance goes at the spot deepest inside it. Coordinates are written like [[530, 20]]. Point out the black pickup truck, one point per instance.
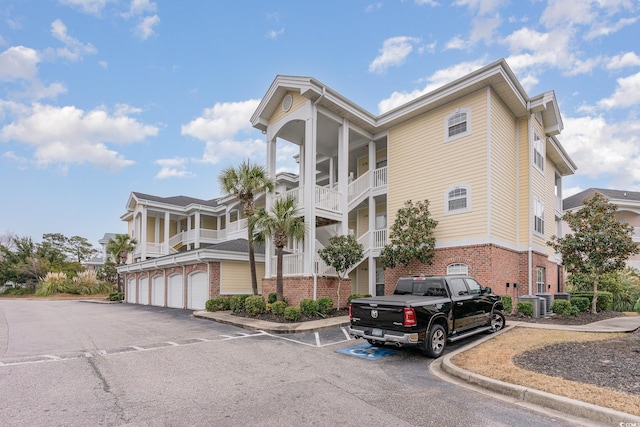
[[427, 311]]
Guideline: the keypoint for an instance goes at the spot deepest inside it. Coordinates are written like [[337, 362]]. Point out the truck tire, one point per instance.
[[497, 321], [435, 341]]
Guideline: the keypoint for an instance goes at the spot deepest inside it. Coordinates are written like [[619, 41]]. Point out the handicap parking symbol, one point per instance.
[[368, 352]]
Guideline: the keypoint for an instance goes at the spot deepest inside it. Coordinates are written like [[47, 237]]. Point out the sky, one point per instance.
[[100, 98]]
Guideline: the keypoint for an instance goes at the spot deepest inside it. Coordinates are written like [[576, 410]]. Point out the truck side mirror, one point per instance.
[[488, 290]]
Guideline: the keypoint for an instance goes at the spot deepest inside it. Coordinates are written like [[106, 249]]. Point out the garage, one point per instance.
[[131, 291], [198, 292], [175, 292], [157, 291], [143, 291]]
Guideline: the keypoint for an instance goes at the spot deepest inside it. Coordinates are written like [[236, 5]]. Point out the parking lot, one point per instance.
[[75, 363]]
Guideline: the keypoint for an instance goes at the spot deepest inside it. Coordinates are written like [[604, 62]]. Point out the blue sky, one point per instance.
[[99, 98]]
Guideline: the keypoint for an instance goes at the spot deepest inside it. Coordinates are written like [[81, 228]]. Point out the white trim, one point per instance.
[[468, 208], [467, 121]]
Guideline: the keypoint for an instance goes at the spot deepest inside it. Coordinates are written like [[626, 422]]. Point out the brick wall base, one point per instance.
[[297, 288]]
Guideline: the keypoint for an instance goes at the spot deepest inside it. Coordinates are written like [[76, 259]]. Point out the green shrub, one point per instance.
[[116, 296], [574, 310], [217, 304], [581, 303], [561, 307], [292, 314], [53, 283], [325, 305], [636, 307], [278, 308], [525, 308], [255, 305], [18, 291], [236, 302], [309, 307], [273, 297], [507, 303], [355, 296], [605, 299]]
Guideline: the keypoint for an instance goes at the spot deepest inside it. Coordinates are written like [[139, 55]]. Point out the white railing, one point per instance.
[[380, 177], [322, 269], [176, 239], [558, 203], [237, 226], [292, 264], [295, 193], [155, 248], [379, 238], [359, 186], [364, 241], [212, 235], [327, 199]]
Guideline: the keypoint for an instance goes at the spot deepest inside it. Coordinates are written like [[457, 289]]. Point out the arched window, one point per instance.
[[457, 199], [458, 124], [458, 268]]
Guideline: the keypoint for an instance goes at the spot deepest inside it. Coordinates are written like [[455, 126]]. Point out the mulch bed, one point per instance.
[[270, 317], [613, 363]]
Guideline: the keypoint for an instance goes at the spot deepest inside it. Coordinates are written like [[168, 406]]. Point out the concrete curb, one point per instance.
[[272, 327], [563, 404]]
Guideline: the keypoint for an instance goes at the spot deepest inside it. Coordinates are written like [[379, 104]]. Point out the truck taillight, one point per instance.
[[350, 312], [410, 317]]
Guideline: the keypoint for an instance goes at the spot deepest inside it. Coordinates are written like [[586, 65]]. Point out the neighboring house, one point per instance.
[[95, 262], [484, 153], [628, 203]]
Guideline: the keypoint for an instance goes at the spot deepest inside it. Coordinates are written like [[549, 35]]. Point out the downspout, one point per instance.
[[314, 274], [530, 265]]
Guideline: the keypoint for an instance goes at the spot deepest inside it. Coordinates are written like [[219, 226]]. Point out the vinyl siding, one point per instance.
[[420, 167], [524, 196], [503, 172], [539, 188], [235, 277], [151, 229], [298, 101]]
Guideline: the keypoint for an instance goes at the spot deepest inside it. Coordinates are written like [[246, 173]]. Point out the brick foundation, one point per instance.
[[297, 288]]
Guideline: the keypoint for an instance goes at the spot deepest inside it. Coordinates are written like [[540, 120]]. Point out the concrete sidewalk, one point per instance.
[[272, 327]]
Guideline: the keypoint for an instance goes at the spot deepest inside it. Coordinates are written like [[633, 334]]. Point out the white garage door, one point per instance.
[[198, 291], [143, 291], [157, 291], [175, 292], [131, 290]]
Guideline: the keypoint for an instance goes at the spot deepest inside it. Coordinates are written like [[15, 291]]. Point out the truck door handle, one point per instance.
[[458, 303]]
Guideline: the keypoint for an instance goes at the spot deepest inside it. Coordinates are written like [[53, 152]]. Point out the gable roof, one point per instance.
[[614, 196], [176, 200]]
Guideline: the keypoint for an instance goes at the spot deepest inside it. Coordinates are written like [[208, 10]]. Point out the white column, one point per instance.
[[310, 192], [189, 230], [372, 217], [372, 275], [197, 219], [343, 175], [271, 173], [143, 234], [167, 236]]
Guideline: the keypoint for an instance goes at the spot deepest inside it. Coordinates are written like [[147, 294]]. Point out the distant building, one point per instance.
[[628, 203], [95, 262]]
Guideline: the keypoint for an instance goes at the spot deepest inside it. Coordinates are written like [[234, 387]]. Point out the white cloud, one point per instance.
[[140, 7], [92, 7], [74, 49], [627, 93], [628, 59], [602, 149], [484, 29], [456, 43], [68, 135], [103, 64], [37, 91], [18, 62], [393, 53], [432, 3], [436, 80], [215, 151], [373, 6], [605, 29], [145, 27], [274, 34], [172, 168]]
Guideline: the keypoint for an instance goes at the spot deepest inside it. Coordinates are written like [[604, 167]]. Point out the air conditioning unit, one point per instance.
[[548, 300], [535, 300], [562, 295]]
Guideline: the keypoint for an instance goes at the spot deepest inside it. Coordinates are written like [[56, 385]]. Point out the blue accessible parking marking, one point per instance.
[[369, 352]]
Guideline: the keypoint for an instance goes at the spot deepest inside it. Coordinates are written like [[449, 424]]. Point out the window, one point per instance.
[[538, 216], [458, 268], [457, 200], [381, 221], [458, 124], [540, 275], [538, 152], [458, 287], [474, 287]]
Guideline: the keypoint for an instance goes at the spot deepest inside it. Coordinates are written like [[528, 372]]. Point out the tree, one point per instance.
[[281, 223], [342, 253], [245, 183], [598, 243], [75, 247], [411, 236], [119, 247]]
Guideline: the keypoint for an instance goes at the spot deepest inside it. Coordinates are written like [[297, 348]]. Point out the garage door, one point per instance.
[[131, 291], [175, 292], [143, 291], [198, 291], [157, 291]]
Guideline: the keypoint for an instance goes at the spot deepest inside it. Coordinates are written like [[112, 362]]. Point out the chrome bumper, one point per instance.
[[405, 339]]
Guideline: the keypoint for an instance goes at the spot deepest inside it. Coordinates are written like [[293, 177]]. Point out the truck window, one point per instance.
[[403, 287], [458, 286], [474, 287], [430, 288]]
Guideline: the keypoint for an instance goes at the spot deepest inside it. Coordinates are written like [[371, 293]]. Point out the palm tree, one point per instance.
[[119, 247], [246, 182], [281, 223]]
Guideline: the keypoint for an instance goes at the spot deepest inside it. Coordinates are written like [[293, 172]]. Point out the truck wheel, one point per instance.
[[497, 321], [435, 341]]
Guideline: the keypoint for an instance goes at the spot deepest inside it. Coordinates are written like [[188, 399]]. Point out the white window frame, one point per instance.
[[447, 125], [538, 151], [540, 280], [458, 268], [448, 198], [538, 216]]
